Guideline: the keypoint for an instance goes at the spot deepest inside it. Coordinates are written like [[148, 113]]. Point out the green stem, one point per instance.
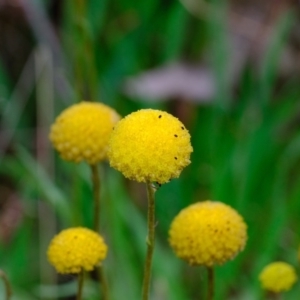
[[150, 241], [96, 195], [86, 72], [211, 283], [8, 291], [103, 282], [80, 285], [272, 295]]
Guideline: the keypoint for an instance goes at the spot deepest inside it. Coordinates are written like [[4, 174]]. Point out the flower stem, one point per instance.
[[103, 282], [150, 241], [211, 283], [96, 195], [8, 291], [272, 295], [80, 285], [96, 226]]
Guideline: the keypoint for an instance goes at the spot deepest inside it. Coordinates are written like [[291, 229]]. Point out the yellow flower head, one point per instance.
[[81, 131], [150, 146], [75, 249], [207, 233], [278, 277]]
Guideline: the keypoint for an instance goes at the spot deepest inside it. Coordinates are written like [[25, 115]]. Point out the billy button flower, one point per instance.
[[81, 132], [277, 277], [76, 250], [208, 233], [149, 146]]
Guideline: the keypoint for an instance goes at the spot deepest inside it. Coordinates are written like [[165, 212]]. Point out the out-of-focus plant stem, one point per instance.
[[8, 291], [272, 295], [80, 285], [96, 195], [211, 283], [103, 283], [85, 66], [96, 225]]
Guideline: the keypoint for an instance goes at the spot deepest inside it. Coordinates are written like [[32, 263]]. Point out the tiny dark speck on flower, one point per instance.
[[182, 127], [159, 116], [158, 184], [175, 135], [175, 157]]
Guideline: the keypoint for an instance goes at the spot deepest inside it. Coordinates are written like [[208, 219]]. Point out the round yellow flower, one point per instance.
[[208, 233], [75, 249], [81, 131], [150, 146], [278, 277]]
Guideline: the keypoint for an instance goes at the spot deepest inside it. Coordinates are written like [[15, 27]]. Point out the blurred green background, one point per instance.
[[228, 69]]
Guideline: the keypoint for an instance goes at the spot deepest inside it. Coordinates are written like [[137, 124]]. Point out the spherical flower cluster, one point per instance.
[[150, 146], [208, 233], [81, 132], [75, 249], [278, 277]]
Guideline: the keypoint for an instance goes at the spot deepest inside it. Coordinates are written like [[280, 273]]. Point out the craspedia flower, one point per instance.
[[208, 233], [150, 146], [81, 131], [76, 249], [278, 277]]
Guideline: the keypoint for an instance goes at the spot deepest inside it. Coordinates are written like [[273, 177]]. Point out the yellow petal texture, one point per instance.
[[75, 249], [278, 277], [208, 233], [150, 146], [81, 132]]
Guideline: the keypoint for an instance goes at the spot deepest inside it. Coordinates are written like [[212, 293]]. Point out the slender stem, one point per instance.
[[86, 71], [103, 282], [272, 295], [8, 291], [150, 241], [96, 194], [211, 283], [80, 285]]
